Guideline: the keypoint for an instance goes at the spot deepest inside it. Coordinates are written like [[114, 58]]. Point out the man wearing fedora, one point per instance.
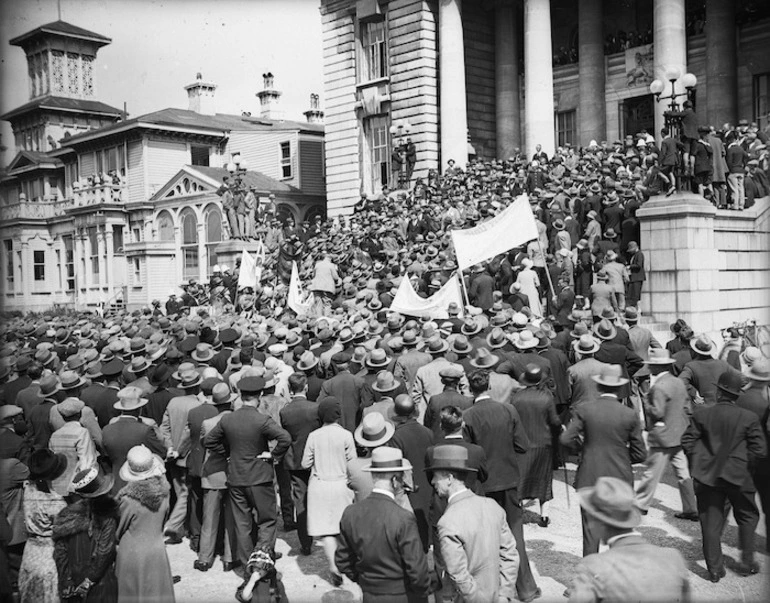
[[12, 444], [450, 379], [379, 544], [636, 273], [71, 386], [756, 398], [411, 360], [427, 379], [477, 547], [11, 389], [347, 388], [497, 428], [172, 429], [609, 436], [702, 373], [667, 413], [632, 569], [722, 443], [73, 441], [39, 428]]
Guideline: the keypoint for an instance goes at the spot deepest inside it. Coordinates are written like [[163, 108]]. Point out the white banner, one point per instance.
[[251, 268], [514, 226], [297, 301], [409, 303]]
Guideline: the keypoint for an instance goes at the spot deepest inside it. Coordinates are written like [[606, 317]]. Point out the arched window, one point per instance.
[[190, 244], [283, 212], [213, 236], [165, 225]]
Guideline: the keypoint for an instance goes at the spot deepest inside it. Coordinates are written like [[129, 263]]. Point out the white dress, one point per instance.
[[529, 283]]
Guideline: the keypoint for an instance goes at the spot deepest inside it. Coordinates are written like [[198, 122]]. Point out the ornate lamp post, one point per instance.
[[673, 114], [237, 168]]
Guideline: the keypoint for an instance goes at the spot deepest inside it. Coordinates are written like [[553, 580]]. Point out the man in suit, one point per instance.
[[609, 436], [414, 439], [497, 428], [22, 381], [102, 395], [450, 378], [12, 445], [756, 398], [632, 569], [39, 427], [326, 278], [347, 388], [482, 286], [228, 338], [722, 442], [29, 397], [667, 410], [428, 381], [299, 417], [245, 433], [379, 544], [613, 352], [476, 543], [127, 430], [410, 361], [582, 387], [636, 273], [702, 373]]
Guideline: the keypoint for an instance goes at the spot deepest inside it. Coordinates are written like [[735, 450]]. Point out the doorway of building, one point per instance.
[[638, 113]]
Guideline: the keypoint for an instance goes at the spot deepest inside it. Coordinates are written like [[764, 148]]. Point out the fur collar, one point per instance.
[[148, 492], [78, 516]]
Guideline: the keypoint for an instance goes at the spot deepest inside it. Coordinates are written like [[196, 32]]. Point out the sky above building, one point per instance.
[[159, 46]]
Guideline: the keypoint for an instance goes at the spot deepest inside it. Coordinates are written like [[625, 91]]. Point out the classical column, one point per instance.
[[592, 119], [538, 76], [454, 113], [508, 132], [670, 38], [721, 63]]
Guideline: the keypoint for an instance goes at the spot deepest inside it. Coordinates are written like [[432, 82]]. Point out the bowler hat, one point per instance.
[[612, 502], [730, 383]]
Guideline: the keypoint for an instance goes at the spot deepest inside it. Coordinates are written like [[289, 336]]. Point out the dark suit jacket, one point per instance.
[[299, 417], [497, 428], [102, 400], [122, 435], [158, 402], [245, 434], [753, 400], [629, 361], [636, 271], [12, 388], [610, 437], [28, 398], [413, 440], [347, 389], [559, 365], [667, 403], [13, 446], [380, 548], [219, 361], [481, 290], [195, 418], [449, 397], [722, 442], [701, 375], [39, 428]]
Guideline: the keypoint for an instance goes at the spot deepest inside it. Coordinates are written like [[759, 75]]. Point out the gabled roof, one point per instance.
[[256, 179], [61, 28], [29, 161], [61, 103]]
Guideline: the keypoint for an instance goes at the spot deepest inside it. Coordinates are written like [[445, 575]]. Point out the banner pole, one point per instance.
[[461, 278]]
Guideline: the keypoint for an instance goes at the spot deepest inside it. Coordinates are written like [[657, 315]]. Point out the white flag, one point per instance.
[[247, 277], [409, 303], [512, 227], [296, 300]]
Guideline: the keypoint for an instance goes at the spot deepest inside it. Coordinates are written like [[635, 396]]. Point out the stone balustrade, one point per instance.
[[34, 210], [98, 194]]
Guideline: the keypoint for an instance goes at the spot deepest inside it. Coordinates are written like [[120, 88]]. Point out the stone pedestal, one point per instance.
[[682, 260], [538, 77], [454, 112], [508, 131], [670, 37], [592, 118], [230, 251], [721, 63]]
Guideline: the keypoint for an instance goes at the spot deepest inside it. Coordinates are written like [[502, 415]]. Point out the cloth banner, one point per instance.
[[512, 227], [298, 302], [409, 303], [251, 271]]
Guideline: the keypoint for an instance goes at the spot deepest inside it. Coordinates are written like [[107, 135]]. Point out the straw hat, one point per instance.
[[611, 375], [387, 460], [374, 430]]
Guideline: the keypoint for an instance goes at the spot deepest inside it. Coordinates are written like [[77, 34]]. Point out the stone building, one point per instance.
[[97, 207], [482, 78]]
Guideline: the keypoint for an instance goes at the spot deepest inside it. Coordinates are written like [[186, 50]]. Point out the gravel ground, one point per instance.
[[553, 552]]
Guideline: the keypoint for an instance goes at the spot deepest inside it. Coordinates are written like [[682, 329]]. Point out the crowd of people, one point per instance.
[[406, 445]]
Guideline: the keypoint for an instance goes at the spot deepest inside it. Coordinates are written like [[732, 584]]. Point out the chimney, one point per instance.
[[268, 98], [314, 115], [200, 95]]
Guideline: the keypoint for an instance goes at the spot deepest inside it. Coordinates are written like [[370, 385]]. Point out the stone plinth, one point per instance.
[[682, 260], [231, 250]]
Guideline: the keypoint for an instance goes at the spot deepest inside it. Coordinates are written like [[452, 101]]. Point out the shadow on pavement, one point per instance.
[[552, 563]]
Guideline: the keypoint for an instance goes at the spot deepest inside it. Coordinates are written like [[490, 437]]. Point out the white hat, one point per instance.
[[225, 267], [217, 268], [141, 464]]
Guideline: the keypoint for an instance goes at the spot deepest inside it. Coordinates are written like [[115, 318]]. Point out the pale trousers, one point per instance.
[[215, 504], [655, 465], [737, 192], [175, 524]]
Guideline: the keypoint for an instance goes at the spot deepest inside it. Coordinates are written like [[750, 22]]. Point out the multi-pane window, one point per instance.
[[378, 141], [375, 49], [9, 263], [213, 236], [113, 158], [137, 266], [565, 128], [762, 100], [58, 269], [38, 265], [286, 160], [190, 245], [199, 155], [93, 243], [69, 260]]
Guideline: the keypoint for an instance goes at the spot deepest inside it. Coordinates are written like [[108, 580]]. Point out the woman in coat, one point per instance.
[[38, 578], [143, 570], [85, 542], [328, 451], [530, 286], [537, 410]]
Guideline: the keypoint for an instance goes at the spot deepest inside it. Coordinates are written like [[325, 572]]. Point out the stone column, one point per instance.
[[109, 273], [592, 118], [670, 38], [102, 258], [454, 113], [682, 260], [538, 77], [721, 63], [26, 273], [508, 132]]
